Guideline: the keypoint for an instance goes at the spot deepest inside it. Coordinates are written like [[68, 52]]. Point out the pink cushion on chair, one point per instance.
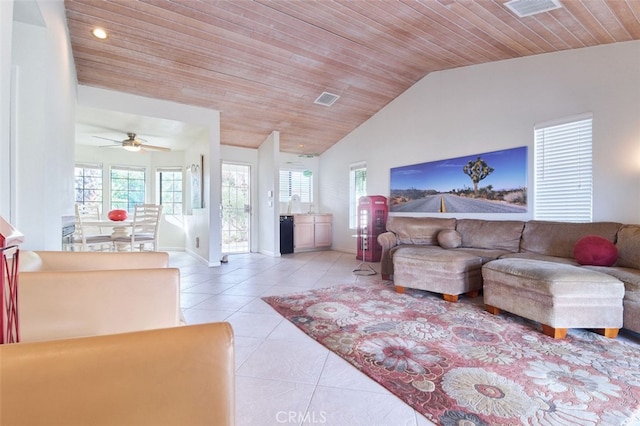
[[595, 250]]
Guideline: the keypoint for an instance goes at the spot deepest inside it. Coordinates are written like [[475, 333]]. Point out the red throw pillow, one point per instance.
[[595, 250]]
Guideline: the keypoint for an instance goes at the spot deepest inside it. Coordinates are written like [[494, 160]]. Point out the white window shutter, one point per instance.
[[294, 182], [563, 171]]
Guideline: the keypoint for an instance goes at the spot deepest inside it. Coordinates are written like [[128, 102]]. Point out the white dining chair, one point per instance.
[[90, 238], [144, 229]]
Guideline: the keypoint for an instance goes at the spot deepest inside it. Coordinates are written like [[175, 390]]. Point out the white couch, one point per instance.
[[75, 294]]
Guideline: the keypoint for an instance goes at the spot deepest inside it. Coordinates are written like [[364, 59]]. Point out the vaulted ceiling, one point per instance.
[[263, 63]]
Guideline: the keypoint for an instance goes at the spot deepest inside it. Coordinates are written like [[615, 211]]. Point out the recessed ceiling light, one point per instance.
[[99, 33]]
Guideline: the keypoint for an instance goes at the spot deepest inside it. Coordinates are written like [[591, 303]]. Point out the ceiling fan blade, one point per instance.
[[157, 148], [107, 139]]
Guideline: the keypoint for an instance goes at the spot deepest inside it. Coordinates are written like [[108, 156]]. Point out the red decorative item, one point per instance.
[[117, 215], [595, 250], [372, 221], [10, 238]]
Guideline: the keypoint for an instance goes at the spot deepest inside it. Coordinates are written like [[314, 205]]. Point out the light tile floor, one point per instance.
[[283, 377]]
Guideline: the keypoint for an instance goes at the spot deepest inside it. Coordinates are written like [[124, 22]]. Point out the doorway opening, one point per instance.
[[236, 208]]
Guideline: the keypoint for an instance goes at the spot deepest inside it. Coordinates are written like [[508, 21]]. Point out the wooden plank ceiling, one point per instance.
[[263, 63]]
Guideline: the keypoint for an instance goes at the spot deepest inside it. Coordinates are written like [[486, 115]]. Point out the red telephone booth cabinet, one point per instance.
[[372, 219]]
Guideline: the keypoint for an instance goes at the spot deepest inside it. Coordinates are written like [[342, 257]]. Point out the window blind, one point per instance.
[[563, 171], [293, 182]]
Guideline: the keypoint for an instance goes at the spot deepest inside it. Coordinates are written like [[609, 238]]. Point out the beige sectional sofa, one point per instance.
[[446, 255], [75, 294], [173, 376]]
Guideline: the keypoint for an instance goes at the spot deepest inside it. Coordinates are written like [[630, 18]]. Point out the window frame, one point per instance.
[[354, 192], [287, 190], [131, 202], [169, 206], [88, 166]]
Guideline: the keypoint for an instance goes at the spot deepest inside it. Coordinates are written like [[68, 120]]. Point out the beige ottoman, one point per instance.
[[559, 296], [448, 272]]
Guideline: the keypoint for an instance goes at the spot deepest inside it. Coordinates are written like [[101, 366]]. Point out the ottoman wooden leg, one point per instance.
[[556, 333], [400, 289], [492, 309], [611, 333], [453, 298], [471, 294]]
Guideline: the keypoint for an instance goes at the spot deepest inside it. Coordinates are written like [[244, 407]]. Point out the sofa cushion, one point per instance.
[[559, 238], [490, 234], [595, 250], [536, 256], [418, 230], [486, 255], [629, 276], [29, 261], [628, 245], [449, 238]]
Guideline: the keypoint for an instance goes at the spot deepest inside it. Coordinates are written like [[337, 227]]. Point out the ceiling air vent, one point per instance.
[[524, 8], [326, 99]]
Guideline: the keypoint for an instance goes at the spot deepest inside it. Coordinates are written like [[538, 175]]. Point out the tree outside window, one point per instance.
[[127, 187], [88, 183]]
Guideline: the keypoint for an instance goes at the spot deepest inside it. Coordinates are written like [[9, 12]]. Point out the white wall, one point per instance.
[[6, 178], [269, 225], [44, 125], [495, 106], [197, 236]]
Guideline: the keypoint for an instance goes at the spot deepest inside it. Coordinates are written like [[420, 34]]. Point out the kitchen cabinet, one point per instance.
[[312, 231], [322, 231], [303, 232]]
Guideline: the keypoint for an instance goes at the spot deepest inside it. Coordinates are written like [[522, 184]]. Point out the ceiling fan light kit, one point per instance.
[[132, 148]]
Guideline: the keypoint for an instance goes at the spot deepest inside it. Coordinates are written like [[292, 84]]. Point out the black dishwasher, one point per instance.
[[286, 234]]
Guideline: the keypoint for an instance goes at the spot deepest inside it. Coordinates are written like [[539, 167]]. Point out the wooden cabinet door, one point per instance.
[[303, 232], [323, 234]]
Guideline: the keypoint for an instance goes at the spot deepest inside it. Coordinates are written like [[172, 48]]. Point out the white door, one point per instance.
[[236, 208]]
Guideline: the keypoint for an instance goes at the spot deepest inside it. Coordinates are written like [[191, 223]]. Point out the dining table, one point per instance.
[[119, 227]]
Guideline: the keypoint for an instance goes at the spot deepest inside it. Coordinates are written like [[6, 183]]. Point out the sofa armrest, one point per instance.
[[57, 305], [387, 240], [31, 261], [178, 376]]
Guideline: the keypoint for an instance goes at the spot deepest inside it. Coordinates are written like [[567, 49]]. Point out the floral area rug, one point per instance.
[[457, 364]]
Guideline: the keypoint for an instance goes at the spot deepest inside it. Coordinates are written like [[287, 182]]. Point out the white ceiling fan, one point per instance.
[[132, 143]]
